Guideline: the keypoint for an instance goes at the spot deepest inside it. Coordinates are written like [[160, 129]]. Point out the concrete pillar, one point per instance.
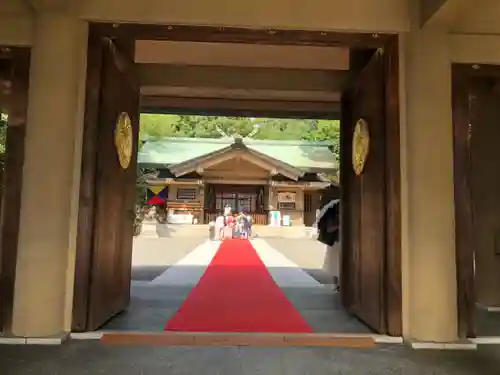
[[51, 176], [429, 271]]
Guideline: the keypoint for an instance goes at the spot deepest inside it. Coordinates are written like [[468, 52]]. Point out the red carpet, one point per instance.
[[237, 294]]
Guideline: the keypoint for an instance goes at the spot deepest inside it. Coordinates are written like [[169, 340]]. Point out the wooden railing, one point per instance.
[[258, 218]]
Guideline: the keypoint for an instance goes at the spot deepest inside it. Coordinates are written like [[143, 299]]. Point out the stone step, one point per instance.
[[151, 229], [283, 232], [154, 230]]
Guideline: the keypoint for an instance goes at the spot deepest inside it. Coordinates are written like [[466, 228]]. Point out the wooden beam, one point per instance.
[[393, 277], [240, 77], [241, 94], [255, 108], [172, 181], [188, 33], [251, 156], [241, 55], [226, 181], [87, 210]]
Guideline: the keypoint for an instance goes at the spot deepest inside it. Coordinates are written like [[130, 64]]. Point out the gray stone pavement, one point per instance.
[[321, 309], [151, 306], [487, 323], [308, 254], [91, 357], [152, 256]]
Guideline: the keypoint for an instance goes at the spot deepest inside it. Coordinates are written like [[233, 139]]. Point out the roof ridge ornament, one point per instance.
[[238, 143], [236, 135], [256, 128], [221, 132]]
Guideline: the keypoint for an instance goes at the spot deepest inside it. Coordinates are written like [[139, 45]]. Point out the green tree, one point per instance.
[[284, 129], [327, 130], [3, 139], [159, 126], [3, 131]]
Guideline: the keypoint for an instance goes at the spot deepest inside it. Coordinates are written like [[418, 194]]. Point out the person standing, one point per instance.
[[329, 234], [231, 223], [249, 223], [219, 227], [241, 225]]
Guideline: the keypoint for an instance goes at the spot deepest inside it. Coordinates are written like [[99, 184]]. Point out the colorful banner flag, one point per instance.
[[157, 194], [156, 200], [156, 189]]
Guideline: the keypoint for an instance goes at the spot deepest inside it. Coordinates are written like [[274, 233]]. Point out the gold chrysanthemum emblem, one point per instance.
[[360, 146], [124, 139]]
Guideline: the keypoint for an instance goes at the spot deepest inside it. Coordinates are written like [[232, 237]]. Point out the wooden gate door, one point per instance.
[[363, 199], [14, 81], [475, 98], [115, 180]]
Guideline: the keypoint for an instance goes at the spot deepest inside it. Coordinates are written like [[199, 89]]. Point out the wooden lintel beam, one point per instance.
[[240, 77], [257, 108], [211, 34]]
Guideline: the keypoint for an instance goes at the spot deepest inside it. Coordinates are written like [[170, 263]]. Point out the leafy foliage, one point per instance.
[[3, 132], [3, 139], [159, 126]]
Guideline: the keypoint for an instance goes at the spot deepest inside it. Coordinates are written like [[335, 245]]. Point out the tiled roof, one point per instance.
[[305, 155]]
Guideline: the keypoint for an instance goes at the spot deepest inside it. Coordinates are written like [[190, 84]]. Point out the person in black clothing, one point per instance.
[[328, 225]]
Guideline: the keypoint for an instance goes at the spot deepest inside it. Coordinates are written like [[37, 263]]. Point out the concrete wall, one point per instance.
[[428, 232], [49, 209], [17, 17], [481, 17], [354, 15], [16, 23], [475, 49]]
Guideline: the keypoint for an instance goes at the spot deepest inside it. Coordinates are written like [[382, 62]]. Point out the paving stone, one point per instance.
[[152, 305], [91, 357]]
